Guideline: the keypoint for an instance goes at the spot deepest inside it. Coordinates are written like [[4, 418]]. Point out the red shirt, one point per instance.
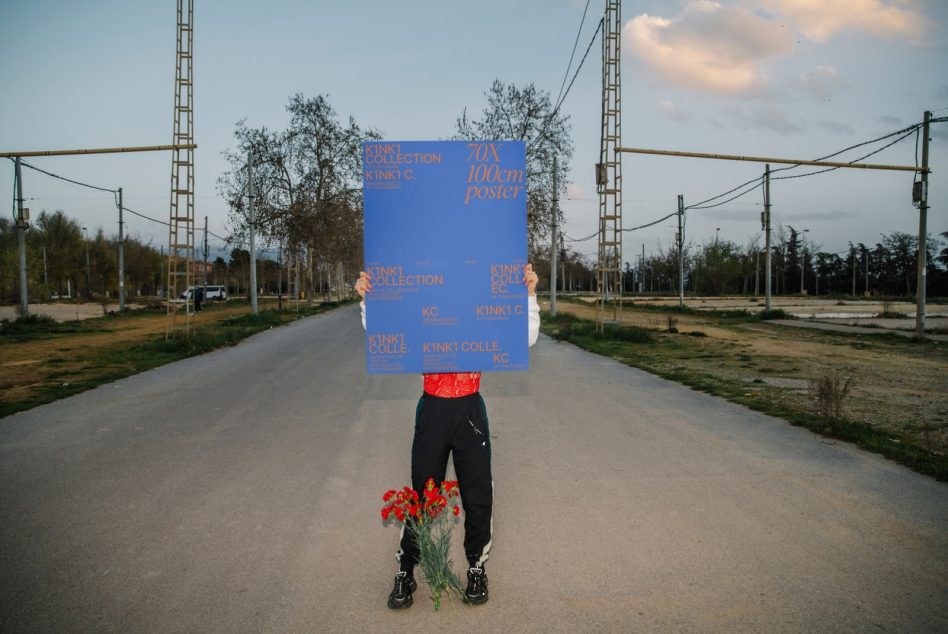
[[454, 385]]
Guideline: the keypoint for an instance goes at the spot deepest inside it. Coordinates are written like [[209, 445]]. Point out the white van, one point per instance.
[[213, 292]]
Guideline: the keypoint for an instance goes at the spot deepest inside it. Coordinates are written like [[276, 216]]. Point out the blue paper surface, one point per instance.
[[445, 245]]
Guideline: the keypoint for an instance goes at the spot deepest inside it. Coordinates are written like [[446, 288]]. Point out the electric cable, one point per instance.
[[141, 215], [556, 108], [865, 156], [68, 180], [653, 223], [907, 130], [904, 132], [591, 235], [582, 22], [578, 68], [701, 205]]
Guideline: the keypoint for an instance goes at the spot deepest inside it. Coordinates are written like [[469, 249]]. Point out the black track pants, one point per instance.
[[457, 426]]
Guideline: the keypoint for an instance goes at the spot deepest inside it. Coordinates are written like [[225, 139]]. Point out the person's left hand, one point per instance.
[[530, 280]]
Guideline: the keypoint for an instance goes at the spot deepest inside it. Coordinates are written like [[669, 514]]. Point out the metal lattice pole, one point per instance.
[[181, 216], [609, 172]]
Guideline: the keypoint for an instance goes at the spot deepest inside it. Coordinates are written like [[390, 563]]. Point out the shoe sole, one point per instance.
[[401, 606], [408, 602]]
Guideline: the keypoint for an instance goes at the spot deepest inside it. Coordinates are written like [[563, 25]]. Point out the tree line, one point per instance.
[[721, 267], [64, 262]]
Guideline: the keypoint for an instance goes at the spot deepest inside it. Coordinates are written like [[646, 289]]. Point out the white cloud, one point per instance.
[[708, 47], [889, 120], [823, 83], [765, 116], [674, 113], [835, 127], [836, 214], [820, 20]]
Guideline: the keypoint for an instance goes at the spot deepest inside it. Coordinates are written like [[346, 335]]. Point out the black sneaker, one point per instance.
[[405, 586], [476, 592]]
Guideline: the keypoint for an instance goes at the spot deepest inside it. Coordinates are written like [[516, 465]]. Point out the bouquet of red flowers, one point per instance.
[[424, 515]]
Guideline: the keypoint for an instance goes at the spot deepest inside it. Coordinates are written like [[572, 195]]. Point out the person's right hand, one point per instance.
[[364, 284]]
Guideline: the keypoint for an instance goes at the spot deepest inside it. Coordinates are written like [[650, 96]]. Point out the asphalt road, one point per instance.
[[239, 492]]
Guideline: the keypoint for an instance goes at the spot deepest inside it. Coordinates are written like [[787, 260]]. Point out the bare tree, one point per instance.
[[527, 114], [307, 185]]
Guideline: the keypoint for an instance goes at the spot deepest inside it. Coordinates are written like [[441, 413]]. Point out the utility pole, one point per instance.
[[253, 248], [553, 247], [205, 258], [22, 222], [85, 238], [854, 272], [121, 245], [642, 271], [681, 259], [609, 170], [757, 275], [866, 251], [766, 223], [922, 277], [803, 262], [563, 262]]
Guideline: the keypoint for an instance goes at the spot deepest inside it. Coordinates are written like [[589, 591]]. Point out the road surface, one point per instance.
[[240, 492]]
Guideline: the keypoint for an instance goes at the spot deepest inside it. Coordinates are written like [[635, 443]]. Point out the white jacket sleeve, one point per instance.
[[533, 319]]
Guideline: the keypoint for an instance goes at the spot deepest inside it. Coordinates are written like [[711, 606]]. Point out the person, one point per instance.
[[198, 298], [451, 418]]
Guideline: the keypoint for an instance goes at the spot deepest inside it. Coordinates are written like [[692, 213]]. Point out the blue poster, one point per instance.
[[445, 246]]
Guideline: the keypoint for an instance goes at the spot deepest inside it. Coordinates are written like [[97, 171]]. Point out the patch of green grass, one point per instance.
[[40, 327], [773, 313], [568, 327]]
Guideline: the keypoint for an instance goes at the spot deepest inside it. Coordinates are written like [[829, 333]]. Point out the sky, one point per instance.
[[796, 79]]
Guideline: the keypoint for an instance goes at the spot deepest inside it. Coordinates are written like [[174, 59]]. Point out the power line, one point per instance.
[[579, 68], [758, 181], [730, 191], [556, 108], [68, 180], [651, 224], [589, 237], [573, 53], [735, 197], [140, 215], [910, 131]]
